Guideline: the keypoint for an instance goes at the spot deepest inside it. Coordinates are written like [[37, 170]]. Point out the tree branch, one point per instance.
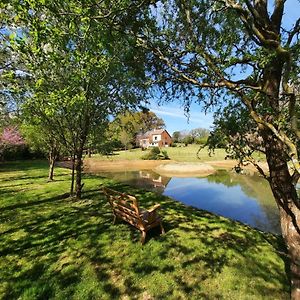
[[292, 33], [276, 17]]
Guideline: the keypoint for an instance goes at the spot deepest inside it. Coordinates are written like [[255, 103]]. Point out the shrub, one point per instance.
[[165, 154], [155, 154]]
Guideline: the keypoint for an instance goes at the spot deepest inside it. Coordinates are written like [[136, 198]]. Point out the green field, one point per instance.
[[55, 247], [181, 153]]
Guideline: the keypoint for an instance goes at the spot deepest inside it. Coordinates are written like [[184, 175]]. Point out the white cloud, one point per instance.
[[200, 118]]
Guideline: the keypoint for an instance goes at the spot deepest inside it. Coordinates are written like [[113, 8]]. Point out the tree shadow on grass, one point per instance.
[[34, 203], [58, 245], [224, 242], [24, 165], [42, 176], [64, 248]]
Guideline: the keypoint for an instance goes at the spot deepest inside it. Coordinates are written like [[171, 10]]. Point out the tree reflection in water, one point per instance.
[[244, 198]]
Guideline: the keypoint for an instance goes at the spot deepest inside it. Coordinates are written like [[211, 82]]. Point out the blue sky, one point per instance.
[[176, 120], [173, 113]]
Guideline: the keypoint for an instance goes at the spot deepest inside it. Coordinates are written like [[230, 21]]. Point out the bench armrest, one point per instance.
[[154, 208]]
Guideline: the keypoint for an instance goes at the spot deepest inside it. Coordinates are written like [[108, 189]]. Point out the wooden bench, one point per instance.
[[126, 207]]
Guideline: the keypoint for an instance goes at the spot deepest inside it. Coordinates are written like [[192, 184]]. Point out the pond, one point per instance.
[[244, 198]]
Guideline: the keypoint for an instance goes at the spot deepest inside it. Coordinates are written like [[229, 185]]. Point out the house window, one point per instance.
[[155, 138]]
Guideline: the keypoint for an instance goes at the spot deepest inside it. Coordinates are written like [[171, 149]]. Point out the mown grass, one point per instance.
[[182, 153], [52, 246]]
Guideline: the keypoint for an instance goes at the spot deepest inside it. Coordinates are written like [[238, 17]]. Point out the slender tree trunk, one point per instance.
[[287, 200], [79, 173], [51, 168], [52, 159], [72, 175]]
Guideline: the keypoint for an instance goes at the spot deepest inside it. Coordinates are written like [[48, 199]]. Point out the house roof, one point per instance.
[[148, 134]]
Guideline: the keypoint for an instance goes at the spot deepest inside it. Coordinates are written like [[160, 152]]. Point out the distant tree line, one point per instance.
[[19, 140], [123, 131], [194, 136]]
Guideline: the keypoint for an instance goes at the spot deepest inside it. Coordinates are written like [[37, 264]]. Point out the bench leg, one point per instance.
[[162, 228], [143, 238], [114, 220]]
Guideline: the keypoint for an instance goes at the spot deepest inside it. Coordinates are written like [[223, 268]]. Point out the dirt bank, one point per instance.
[[164, 167], [91, 165], [185, 169]]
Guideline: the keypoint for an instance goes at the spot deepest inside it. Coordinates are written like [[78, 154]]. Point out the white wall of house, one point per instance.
[[156, 138]]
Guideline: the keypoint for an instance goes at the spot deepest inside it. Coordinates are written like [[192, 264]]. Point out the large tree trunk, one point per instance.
[[287, 200], [78, 168]]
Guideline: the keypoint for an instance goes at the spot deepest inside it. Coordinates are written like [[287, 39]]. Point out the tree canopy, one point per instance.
[[242, 57], [81, 68]]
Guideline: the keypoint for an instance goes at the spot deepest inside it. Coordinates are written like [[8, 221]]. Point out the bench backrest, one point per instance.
[[124, 205]]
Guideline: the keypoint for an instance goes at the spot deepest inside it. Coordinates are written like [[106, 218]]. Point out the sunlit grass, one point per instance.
[[52, 246], [182, 153]]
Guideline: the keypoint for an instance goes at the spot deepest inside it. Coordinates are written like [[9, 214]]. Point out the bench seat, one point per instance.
[[126, 207]]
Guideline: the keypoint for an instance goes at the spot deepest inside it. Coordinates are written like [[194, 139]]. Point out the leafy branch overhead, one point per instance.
[[241, 57], [81, 69], [233, 50]]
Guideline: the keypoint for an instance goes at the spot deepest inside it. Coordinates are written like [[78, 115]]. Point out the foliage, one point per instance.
[[218, 53], [188, 139], [194, 136], [164, 154], [156, 154], [12, 145], [129, 124], [176, 136], [241, 56], [108, 147], [12, 136], [38, 139], [77, 78]]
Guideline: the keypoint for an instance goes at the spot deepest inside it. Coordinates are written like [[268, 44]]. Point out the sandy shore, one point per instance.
[[185, 169], [164, 167], [91, 165]]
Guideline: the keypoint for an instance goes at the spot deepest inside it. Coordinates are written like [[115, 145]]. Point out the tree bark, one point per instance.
[[52, 159], [285, 194], [78, 168], [51, 168], [72, 175]]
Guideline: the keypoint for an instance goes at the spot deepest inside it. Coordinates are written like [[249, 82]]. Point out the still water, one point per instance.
[[244, 198]]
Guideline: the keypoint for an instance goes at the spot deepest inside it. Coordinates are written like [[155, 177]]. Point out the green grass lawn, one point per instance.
[[181, 154], [52, 246]]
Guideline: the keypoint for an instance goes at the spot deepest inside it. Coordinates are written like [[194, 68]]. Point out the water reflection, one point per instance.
[[145, 179], [247, 199]]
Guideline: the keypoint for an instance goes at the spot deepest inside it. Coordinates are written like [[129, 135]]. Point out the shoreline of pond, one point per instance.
[[167, 167]]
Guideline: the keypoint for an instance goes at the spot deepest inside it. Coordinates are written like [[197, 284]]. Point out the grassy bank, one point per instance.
[[182, 154], [55, 247]]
